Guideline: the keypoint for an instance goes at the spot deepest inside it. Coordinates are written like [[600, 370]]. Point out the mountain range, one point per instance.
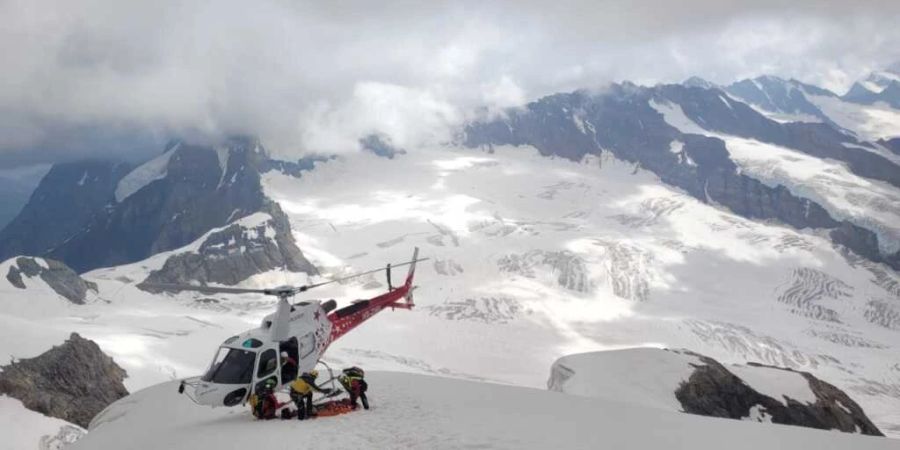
[[754, 222]]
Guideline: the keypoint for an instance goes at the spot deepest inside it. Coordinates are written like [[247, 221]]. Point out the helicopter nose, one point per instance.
[[212, 394]]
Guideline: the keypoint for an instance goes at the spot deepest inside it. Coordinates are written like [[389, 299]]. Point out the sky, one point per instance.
[[105, 77]]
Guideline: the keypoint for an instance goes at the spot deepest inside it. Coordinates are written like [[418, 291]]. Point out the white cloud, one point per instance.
[[84, 76]]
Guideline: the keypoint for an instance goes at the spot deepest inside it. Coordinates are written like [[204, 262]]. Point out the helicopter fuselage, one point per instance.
[[302, 331]]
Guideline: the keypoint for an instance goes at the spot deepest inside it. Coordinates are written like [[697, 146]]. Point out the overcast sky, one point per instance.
[[112, 76]]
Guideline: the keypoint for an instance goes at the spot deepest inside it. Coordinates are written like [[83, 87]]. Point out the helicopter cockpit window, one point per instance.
[[231, 366], [267, 363], [252, 343]]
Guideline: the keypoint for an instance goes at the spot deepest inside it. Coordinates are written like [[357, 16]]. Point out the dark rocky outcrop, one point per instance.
[[892, 144], [234, 253], [622, 121], [381, 145], [712, 390], [63, 280], [890, 94], [296, 168], [73, 381]]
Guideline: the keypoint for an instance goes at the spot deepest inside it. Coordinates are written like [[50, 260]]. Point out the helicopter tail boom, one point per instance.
[[349, 317]]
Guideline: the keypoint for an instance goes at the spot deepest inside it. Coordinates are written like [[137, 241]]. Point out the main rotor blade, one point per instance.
[[207, 289], [348, 277], [275, 291]]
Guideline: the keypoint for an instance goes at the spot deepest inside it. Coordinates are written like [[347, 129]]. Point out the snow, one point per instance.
[[83, 178], [658, 268], [415, 411], [674, 115], [150, 171], [871, 86], [223, 154], [662, 268], [869, 122], [872, 204], [24, 429], [646, 377], [758, 414], [784, 117], [776, 383]]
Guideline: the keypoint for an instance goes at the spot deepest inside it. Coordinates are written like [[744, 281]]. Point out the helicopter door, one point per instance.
[[289, 366], [265, 368], [307, 349]]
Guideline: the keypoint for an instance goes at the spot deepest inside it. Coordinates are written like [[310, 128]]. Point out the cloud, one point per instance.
[[104, 77]]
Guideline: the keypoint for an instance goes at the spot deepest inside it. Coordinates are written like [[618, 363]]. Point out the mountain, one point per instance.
[[688, 136], [416, 411], [16, 187], [26, 272], [879, 86], [673, 215], [117, 215], [68, 197], [781, 100]]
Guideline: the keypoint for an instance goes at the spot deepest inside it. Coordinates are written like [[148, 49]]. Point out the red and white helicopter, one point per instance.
[[302, 330]]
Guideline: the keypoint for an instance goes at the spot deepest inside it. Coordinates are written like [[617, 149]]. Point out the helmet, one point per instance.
[[270, 383], [284, 355], [314, 373]]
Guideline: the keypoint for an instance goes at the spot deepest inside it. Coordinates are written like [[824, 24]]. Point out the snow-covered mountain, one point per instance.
[[97, 214], [680, 216]]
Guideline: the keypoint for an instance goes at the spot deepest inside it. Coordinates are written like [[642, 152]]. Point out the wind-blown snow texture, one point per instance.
[[414, 411]]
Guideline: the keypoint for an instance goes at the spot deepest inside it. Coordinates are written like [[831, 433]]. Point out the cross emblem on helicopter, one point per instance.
[[254, 356]]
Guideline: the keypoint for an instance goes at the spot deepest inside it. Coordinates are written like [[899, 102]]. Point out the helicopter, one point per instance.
[[303, 331]]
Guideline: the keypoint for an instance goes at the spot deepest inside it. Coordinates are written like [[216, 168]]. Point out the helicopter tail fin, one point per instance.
[[409, 278]]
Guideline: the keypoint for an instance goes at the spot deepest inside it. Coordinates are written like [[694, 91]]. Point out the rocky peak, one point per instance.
[[73, 381], [254, 244], [713, 390], [63, 280]]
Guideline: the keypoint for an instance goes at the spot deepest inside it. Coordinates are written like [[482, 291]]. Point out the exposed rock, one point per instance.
[[712, 390], [68, 198], [296, 169], [63, 280], [381, 145], [236, 252], [73, 381]]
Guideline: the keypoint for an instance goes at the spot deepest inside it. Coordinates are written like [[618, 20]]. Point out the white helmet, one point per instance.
[[284, 355]]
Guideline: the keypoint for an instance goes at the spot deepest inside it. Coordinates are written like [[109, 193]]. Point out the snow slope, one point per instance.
[[414, 411], [150, 171], [24, 429], [646, 377], [869, 122]]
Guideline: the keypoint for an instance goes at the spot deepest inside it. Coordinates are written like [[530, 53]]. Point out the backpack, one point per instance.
[[354, 372]]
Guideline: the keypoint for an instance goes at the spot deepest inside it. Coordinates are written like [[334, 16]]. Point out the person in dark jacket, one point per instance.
[[302, 391], [353, 381]]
